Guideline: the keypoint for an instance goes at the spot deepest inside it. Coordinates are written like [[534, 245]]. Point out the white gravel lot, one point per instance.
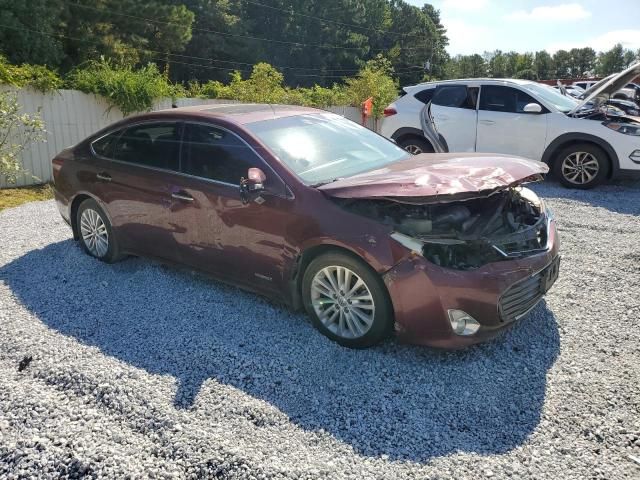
[[143, 370]]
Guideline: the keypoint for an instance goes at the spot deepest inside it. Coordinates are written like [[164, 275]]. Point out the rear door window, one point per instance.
[[216, 154], [104, 146], [456, 96], [154, 145]]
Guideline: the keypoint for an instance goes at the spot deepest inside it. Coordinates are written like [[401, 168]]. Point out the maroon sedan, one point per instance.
[[314, 210]]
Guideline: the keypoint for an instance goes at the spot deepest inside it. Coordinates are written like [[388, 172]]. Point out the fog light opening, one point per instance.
[[635, 156], [462, 323]]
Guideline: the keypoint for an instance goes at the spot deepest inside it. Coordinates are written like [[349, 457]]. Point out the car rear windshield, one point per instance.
[[323, 147]]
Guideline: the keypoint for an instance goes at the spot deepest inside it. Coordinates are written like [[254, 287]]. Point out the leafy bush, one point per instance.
[[317, 96], [131, 90], [135, 90], [38, 77], [375, 81], [17, 132], [266, 85]]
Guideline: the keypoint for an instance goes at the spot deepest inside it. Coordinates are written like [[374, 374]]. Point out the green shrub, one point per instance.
[[317, 96], [131, 90], [19, 130], [38, 77], [375, 81]]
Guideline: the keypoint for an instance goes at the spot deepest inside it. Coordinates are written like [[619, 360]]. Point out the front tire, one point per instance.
[[346, 300], [95, 232], [582, 166]]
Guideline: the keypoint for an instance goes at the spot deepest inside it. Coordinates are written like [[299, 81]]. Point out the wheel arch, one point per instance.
[[407, 132], [568, 139], [306, 256], [73, 211]]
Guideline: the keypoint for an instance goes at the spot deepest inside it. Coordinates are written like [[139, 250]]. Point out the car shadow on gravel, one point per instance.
[[396, 401], [619, 196]]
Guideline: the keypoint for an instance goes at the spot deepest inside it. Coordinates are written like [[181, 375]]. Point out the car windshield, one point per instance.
[[551, 96], [322, 147]]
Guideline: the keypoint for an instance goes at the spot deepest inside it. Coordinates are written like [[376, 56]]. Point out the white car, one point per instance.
[[578, 139]]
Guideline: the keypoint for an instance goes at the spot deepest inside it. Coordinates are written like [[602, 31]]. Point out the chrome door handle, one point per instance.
[[487, 122], [182, 196], [105, 177]]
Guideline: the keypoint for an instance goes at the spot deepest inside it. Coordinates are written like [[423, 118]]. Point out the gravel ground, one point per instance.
[[142, 370]]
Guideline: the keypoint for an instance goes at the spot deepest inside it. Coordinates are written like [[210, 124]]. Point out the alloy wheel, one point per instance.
[[342, 301], [580, 168], [413, 149], [94, 233]]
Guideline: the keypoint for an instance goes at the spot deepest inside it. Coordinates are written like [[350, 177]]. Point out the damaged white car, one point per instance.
[[581, 142]]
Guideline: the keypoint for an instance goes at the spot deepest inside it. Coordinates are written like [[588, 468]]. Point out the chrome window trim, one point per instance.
[[291, 195]]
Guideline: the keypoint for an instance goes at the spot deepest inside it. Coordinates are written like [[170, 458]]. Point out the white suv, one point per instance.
[[581, 142]]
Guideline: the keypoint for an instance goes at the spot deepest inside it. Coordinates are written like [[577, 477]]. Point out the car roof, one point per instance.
[[489, 81], [239, 113]]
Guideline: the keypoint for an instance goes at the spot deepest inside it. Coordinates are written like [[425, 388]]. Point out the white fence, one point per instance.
[[70, 116]]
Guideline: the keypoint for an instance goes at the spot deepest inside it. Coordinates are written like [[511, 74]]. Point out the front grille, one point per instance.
[[520, 298]]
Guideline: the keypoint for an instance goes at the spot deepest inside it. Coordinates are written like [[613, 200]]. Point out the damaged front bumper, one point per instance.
[[495, 295]]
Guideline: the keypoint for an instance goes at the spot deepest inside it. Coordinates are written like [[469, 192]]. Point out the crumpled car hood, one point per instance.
[[430, 177]]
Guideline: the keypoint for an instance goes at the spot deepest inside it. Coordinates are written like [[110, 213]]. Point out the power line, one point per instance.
[[210, 67], [327, 20], [301, 75], [235, 35]]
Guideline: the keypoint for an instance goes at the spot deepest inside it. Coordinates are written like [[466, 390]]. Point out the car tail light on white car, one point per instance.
[[389, 111]]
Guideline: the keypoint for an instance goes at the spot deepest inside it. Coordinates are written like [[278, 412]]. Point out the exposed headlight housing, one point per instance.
[[626, 128], [462, 323]]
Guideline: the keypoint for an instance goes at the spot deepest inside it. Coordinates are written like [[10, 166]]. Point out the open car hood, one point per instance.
[[442, 177], [604, 89]]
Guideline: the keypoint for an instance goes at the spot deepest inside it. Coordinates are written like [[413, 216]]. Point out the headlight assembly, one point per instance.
[[626, 128]]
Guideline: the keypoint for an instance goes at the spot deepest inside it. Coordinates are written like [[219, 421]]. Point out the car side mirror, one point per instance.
[[532, 108], [256, 179], [253, 183]]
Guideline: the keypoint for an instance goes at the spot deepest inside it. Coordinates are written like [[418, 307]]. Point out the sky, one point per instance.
[[475, 26]]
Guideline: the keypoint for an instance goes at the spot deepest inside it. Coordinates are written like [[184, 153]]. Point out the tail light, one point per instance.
[[56, 164], [389, 111]]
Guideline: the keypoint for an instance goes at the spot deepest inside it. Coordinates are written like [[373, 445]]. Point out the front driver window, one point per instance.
[[494, 98], [216, 154]]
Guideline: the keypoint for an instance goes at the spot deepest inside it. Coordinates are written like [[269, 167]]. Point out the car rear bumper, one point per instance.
[[496, 295]]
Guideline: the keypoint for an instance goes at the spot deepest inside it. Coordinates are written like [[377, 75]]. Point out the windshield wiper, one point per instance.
[[326, 182]]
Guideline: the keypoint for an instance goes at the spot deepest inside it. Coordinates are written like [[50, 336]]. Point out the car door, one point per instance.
[[454, 112], [504, 126], [240, 240], [133, 178]]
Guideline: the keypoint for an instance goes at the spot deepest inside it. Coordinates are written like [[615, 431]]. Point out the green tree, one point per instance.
[[562, 61], [543, 65], [21, 20], [498, 65], [581, 61], [129, 32], [611, 61]]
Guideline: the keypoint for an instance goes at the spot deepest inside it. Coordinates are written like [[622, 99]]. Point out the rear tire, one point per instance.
[[95, 232], [415, 145], [582, 166], [347, 300]]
